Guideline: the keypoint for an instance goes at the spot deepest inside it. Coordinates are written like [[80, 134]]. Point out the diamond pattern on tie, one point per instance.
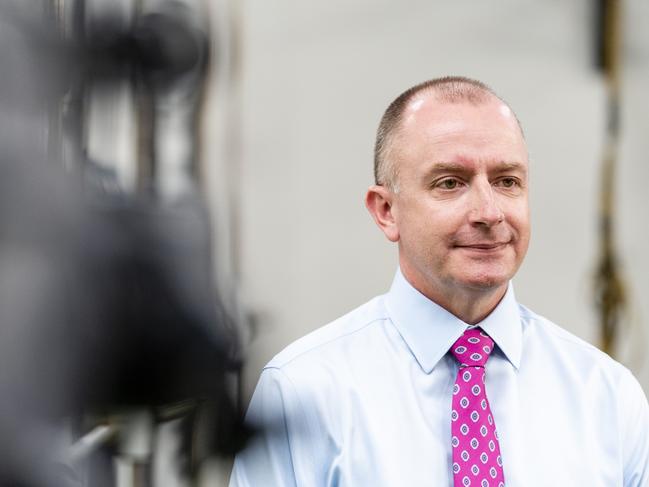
[[476, 452]]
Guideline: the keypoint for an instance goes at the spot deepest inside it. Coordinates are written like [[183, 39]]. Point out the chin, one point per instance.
[[484, 276], [485, 282]]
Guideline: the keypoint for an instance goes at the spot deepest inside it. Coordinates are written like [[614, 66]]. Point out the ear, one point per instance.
[[380, 203]]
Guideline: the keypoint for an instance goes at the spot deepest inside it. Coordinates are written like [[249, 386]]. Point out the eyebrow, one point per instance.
[[511, 166], [454, 167]]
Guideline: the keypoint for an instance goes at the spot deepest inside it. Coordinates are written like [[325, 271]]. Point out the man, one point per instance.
[[394, 393]]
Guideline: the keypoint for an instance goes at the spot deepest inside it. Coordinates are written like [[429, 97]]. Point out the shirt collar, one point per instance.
[[429, 330]]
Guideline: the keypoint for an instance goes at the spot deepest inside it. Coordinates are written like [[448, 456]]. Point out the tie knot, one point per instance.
[[472, 349]]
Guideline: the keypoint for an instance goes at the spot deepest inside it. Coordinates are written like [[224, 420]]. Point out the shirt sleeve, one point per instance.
[[635, 412], [281, 454]]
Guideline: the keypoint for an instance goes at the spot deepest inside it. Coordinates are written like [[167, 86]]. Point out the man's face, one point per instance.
[[461, 211]]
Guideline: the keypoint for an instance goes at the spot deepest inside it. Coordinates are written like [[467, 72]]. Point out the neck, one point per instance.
[[471, 305]]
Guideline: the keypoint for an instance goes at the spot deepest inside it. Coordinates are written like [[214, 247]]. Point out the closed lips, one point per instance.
[[483, 246]]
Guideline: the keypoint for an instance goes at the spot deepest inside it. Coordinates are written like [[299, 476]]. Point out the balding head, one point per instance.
[[450, 89]]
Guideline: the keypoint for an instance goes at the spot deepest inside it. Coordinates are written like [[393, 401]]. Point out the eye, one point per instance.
[[508, 183], [448, 184]]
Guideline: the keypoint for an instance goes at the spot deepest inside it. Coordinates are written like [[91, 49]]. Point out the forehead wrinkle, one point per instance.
[[506, 166], [453, 167], [470, 166]]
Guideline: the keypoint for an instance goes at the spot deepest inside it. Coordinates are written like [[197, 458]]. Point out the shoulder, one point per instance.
[[299, 403], [568, 351], [604, 391], [311, 378], [333, 338]]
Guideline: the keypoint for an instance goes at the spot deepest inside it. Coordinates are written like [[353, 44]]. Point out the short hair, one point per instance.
[[449, 89]]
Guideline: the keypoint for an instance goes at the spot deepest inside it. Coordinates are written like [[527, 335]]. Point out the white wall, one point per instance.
[[316, 78]]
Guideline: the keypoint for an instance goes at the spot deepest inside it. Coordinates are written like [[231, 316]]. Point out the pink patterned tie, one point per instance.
[[476, 453]]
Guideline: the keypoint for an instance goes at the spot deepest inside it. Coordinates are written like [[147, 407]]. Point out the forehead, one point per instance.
[[434, 130]]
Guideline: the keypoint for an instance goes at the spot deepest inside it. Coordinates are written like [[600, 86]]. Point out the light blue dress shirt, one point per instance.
[[366, 401]]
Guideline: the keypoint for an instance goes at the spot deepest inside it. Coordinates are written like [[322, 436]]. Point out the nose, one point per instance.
[[485, 209]]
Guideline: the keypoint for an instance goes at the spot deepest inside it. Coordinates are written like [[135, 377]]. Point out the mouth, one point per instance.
[[483, 246]]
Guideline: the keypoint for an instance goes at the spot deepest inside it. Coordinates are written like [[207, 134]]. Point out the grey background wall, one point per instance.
[[314, 80]]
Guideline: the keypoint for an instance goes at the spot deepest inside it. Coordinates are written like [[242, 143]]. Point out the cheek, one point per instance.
[[519, 217], [430, 224], [524, 226], [433, 223], [422, 232], [521, 226]]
